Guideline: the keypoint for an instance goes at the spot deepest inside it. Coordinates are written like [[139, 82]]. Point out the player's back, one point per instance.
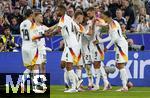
[[69, 31], [28, 30]]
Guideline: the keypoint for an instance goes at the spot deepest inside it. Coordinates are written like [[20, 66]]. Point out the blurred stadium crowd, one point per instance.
[[133, 15]]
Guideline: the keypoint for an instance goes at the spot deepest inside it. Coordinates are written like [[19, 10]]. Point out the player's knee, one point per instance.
[[120, 65], [44, 63], [29, 67], [35, 67], [96, 64], [79, 67], [43, 66], [63, 64], [88, 67]]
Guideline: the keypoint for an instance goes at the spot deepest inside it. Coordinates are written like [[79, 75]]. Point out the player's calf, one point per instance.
[[72, 76]]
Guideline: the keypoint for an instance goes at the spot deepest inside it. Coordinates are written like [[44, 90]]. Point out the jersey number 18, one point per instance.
[[25, 34]]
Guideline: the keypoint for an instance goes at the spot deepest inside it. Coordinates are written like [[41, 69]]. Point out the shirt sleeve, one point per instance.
[[80, 28], [61, 22], [45, 28], [87, 28], [105, 39], [83, 30], [110, 44]]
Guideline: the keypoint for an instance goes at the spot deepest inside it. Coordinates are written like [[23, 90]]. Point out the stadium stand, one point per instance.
[[12, 14]]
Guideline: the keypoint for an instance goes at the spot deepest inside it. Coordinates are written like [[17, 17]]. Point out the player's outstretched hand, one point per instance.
[[95, 42], [48, 34]]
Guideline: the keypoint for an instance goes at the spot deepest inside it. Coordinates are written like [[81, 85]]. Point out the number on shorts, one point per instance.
[[86, 57], [117, 56]]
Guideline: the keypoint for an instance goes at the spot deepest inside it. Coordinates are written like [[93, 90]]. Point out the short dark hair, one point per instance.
[[62, 7], [79, 7], [84, 13], [28, 12], [108, 13], [37, 12], [72, 6], [119, 9], [6, 27], [77, 14], [91, 9], [14, 17]]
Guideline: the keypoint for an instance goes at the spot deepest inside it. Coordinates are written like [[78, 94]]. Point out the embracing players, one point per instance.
[[30, 53], [71, 31], [33, 46]]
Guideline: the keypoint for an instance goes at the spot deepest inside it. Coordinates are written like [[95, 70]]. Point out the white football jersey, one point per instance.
[[28, 31], [41, 42], [115, 31], [69, 31], [80, 33], [115, 35]]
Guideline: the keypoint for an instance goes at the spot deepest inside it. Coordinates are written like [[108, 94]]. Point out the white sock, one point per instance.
[[25, 76], [79, 73], [36, 72], [76, 77], [72, 78], [66, 79], [90, 76], [90, 81], [124, 77], [35, 76], [104, 75], [97, 75]]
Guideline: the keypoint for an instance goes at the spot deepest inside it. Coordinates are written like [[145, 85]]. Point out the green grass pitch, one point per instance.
[[136, 92]]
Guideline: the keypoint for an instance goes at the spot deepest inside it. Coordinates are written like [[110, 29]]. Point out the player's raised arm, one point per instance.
[[91, 29], [46, 34], [49, 32], [60, 10], [110, 44], [78, 18], [105, 39], [54, 27], [38, 37], [54, 30]]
